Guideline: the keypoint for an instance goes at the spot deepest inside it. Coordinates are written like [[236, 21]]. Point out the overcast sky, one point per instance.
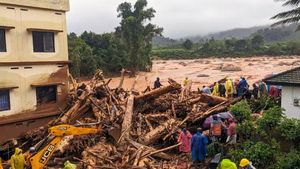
[[179, 18]]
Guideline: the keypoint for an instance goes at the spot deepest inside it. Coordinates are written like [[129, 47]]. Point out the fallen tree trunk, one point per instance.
[[128, 117], [161, 150], [158, 92], [74, 108], [150, 149], [205, 98], [155, 134], [216, 109]]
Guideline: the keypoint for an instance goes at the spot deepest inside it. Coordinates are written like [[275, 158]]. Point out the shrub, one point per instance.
[[288, 161], [241, 111], [246, 130], [215, 148], [263, 103], [270, 121], [262, 155], [290, 129]]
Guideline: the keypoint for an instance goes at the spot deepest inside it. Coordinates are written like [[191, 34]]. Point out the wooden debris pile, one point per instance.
[[137, 131]]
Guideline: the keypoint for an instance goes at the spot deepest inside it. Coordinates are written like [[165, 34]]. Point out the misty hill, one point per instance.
[[279, 34], [238, 33], [160, 41], [270, 34]]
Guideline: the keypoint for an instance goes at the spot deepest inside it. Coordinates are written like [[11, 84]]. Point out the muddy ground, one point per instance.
[[208, 70]]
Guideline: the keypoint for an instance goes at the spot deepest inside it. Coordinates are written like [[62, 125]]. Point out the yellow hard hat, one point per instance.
[[244, 162]]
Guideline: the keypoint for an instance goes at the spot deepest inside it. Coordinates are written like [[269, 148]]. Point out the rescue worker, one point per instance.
[[222, 90], [262, 89], [255, 91], [206, 90], [231, 132], [185, 140], [184, 86], [198, 146], [246, 164], [69, 165], [242, 86], [216, 89], [229, 88], [17, 161], [1, 166], [157, 83], [216, 129], [31, 152], [226, 163]]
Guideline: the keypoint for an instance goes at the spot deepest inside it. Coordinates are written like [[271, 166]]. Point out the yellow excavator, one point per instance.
[[47, 147]]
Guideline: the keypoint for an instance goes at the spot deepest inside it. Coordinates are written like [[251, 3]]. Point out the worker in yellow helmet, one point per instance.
[[246, 164], [229, 88], [17, 161]]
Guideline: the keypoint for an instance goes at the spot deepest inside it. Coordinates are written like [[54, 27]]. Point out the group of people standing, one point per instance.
[[195, 144], [241, 88], [220, 131], [230, 88]]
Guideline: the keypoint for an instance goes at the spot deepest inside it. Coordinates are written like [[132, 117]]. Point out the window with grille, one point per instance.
[[4, 100], [43, 41], [2, 40]]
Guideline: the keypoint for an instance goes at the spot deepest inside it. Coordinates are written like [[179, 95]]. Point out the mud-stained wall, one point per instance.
[[23, 98], [19, 39], [47, 4], [13, 130]]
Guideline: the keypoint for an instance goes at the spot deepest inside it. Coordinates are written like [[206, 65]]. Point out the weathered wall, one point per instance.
[[287, 101], [62, 5], [19, 40], [23, 98], [14, 130]]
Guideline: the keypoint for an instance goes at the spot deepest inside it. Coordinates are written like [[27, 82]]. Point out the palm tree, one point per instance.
[[291, 16]]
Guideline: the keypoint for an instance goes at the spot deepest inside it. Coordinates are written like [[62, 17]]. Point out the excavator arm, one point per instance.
[[57, 133]]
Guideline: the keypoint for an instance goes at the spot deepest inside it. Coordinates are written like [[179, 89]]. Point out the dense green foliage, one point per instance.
[[270, 120], [136, 36], [272, 141], [290, 130], [187, 44], [288, 161], [255, 45], [128, 47], [261, 154], [241, 111], [81, 55]]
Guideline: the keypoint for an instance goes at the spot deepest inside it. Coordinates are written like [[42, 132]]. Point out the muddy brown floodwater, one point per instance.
[[208, 70]]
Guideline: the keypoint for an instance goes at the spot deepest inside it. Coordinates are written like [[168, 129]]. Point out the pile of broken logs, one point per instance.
[[138, 130]]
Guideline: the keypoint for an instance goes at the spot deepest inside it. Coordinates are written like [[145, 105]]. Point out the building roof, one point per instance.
[[287, 78]]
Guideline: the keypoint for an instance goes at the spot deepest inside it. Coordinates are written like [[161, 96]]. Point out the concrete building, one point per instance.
[[33, 63], [290, 99]]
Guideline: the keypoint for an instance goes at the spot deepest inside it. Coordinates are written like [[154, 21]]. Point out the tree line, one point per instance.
[[129, 46], [252, 46]]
